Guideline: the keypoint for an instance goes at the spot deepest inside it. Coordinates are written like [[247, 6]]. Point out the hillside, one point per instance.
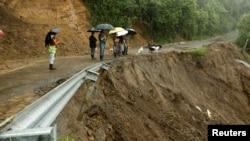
[[163, 96], [26, 24]]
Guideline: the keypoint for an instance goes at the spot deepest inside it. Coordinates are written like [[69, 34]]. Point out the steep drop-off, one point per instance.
[[171, 96]]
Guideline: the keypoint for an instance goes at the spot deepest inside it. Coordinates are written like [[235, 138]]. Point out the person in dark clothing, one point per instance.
[[92, 45]]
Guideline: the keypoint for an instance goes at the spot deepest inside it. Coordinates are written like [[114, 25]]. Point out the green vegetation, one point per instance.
[[163, 20], [201, 51], [67, 138], [246, 55], [244, 31]]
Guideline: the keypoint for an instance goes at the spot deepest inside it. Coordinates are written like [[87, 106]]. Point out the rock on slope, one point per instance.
[[162, 97]]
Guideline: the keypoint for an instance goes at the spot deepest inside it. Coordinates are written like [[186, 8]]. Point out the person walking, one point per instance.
[[102, 38], [126, 45], [92, 45], [121, 45], [52, 47], [115, 46]]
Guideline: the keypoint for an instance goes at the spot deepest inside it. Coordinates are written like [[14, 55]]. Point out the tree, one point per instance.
[[163, 20], [244, 30]]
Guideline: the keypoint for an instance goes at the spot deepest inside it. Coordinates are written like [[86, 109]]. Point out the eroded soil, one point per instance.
[[160, 96]]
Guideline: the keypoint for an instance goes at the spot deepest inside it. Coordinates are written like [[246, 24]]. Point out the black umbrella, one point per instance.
[[131, 31], [104, 26], [93, 30]]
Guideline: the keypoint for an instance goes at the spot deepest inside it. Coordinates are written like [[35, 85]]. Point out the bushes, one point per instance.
[[162, 20], [244, 31], [201, 51]]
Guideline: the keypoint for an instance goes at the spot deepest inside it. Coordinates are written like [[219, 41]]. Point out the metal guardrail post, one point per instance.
[[93, 77], [44, 134]]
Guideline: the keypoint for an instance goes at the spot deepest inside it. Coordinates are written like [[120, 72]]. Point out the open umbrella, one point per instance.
[[93, 30], [116, 29], [51, 34], [55, 30], [131, 31], [104, 26], [121, 33], [1, 33]]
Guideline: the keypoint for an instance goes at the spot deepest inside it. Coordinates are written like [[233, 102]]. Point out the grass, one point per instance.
[[66, 138], [201, 51], [246, 55]]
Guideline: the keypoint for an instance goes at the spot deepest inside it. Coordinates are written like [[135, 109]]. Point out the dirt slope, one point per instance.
[[26, 24], [147, 97], [162, 97]]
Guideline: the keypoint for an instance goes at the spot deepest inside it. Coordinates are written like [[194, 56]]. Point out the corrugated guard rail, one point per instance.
[[33, 123]]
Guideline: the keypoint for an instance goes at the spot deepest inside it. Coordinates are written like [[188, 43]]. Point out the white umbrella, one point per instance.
[[116, 29], [55, 30], [122, 33]]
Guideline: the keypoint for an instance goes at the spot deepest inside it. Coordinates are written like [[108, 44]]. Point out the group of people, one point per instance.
[[92, 44], [120, 45]]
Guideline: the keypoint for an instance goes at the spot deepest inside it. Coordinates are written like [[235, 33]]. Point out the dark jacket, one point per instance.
[[92, 41]]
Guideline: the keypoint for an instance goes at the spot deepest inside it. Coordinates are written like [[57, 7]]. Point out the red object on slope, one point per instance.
[[1, 33]]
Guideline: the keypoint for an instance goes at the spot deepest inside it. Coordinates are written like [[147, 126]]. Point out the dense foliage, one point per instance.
[[163, 20], [244, 31]]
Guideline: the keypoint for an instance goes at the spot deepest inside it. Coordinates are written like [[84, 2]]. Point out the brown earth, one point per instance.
[[163, 96]]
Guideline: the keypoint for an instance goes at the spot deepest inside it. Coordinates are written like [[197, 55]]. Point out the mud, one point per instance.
[[162, 97]]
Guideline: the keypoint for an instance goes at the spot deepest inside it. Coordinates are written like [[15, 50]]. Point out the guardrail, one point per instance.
[[33, 122]]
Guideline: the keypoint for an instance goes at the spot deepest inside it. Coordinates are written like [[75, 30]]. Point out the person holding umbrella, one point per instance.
[[126, 45], [51, 44], [115, 46], [102, 38], [52, 47], [92, 45]]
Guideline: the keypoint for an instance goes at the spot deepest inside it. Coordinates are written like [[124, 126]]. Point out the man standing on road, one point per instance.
[[102, 38], [92, 45]]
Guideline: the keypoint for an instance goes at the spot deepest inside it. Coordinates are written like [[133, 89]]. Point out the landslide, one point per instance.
[[164, 96]]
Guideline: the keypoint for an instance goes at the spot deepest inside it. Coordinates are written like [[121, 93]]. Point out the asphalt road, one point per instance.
[[32, 77]]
